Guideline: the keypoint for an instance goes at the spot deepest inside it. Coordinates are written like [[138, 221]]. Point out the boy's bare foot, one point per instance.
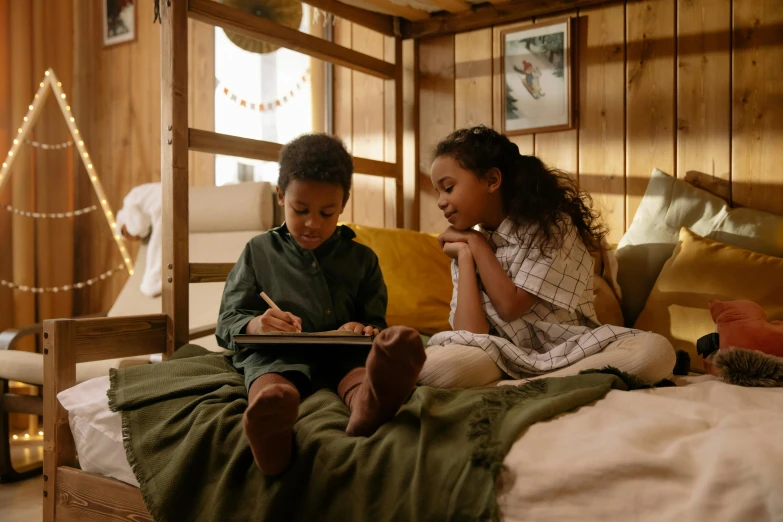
[[393, 366], [269, 422]]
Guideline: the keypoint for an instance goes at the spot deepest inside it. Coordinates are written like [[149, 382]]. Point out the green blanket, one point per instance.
[[439, 459]]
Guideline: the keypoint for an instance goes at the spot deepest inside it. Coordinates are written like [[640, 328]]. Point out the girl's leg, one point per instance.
[[458, 366], [268, 422], [648, 356], [375, 393]]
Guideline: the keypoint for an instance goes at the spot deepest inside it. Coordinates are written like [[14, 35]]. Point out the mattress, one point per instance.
[[703, 450]]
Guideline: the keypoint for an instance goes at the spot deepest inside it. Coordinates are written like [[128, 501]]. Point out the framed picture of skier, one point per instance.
[[537, 77]]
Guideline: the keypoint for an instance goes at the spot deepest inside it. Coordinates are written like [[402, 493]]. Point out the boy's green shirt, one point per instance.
[[338, 282]]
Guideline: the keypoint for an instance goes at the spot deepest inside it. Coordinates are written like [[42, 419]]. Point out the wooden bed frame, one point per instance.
[[74, 495]]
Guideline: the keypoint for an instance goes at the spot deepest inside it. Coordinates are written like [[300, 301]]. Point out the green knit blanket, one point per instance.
[[439, 459]]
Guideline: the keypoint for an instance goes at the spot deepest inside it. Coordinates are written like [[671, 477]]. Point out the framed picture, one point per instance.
[[119, 21], [537, 77]]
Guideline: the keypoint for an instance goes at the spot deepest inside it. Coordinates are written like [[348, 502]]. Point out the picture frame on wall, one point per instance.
[[119, 21], [537, 80]]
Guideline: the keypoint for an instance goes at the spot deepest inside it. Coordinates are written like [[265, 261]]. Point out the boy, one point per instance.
[[321, 280]]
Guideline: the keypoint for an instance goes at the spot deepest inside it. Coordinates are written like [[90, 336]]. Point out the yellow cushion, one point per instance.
[[702, 269], [417, 275]]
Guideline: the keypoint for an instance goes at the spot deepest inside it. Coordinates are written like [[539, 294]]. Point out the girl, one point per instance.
[[523, 280]]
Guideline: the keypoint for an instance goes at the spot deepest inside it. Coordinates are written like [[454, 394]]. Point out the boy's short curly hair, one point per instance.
[[316, 157]]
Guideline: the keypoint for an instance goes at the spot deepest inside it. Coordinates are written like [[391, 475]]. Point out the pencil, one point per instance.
[[273, 306], [271, 303]]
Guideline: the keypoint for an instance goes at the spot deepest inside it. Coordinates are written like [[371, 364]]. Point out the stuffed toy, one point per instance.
[[746, 350]]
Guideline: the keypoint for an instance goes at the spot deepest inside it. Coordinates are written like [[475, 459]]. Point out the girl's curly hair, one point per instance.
[[532, 193]]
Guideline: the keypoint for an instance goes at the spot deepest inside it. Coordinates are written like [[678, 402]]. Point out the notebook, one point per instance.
[[334, 337]]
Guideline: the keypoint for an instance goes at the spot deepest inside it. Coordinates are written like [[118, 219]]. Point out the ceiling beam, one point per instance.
[[487, 15], [453, 6], [403, 11], [382, 23]]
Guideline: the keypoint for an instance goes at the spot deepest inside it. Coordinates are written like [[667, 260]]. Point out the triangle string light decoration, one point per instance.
[[52, 86]]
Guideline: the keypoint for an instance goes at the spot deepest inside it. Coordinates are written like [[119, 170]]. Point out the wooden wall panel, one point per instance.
[[757, 105], [650, 95], [704, 88], [389, 139], [201, 89], [436, 119], [342, 100], [560, 149], [368, 131], [7, 130], [473, 78], [655, 81], [602, 113]]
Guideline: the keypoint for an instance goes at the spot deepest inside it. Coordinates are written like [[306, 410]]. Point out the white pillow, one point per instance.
[[97, 431]]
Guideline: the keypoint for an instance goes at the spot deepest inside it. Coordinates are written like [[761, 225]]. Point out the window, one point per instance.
[[280, 81]]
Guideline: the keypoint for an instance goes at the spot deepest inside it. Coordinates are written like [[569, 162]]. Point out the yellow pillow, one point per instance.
[[417, 275], [702, 269]]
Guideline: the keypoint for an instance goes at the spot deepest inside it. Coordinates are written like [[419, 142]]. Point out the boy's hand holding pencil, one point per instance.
[[274, 320]]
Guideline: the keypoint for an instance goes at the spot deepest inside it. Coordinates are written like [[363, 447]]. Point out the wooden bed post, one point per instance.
[[174, 169], [59, 375]]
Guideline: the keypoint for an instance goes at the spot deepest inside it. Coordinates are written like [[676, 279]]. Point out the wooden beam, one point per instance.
[[203, 331], [217, 143], [253, 26], [88, 496], [403, 11], [59, 375], [381, 23], [209, 272], [452, 6], [174, 170], [14, 402], [104, 338], [486, 15]]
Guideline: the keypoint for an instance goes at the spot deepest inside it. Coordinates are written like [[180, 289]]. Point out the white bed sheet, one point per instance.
[[704, 450]]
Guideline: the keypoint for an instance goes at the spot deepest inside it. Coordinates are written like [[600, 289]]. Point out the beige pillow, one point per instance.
[[700, 270], [670, 204]]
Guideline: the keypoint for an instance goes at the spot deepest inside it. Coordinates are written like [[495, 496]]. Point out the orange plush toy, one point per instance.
[[750, 348]]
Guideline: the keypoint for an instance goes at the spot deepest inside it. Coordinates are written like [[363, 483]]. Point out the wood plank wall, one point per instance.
[[687, 86], [364, 118], [117, 106]]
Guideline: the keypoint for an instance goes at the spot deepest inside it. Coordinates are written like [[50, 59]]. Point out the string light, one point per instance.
[[58, 215], [62, 96], [64, 288], [47, 73], [260, 106], [40, 433], [49, 146], [16, 437]]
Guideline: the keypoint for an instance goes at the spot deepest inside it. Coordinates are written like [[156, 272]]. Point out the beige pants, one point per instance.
[[648, 356]]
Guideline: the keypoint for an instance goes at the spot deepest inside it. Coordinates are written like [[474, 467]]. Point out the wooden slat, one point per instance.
[[602, 113], [217, 143], [203, 331], [6, 132], [410, 98], [525, 142], [757, 109], [201, 89], [650, 91], [436, 119], [389, 138], [381, 23], [452, 6], [473, 78], [103, 338], [174, 169], [368, 131], [394, 9], [209, 272], [560, 149], [486, 15], [342, 99], [59, 375], [260, 28], [83, 496], [14, 402], [399, 130], [704, 88]]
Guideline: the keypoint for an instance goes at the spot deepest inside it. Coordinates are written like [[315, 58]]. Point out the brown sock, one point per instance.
[[273, 406], [393, 366]]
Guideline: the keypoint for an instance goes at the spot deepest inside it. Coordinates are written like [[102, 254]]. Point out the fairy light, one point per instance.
[[40, 433], [62, 96], [16, 437], [16, 142], [30, 107], [26, 435], [47, 73]]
